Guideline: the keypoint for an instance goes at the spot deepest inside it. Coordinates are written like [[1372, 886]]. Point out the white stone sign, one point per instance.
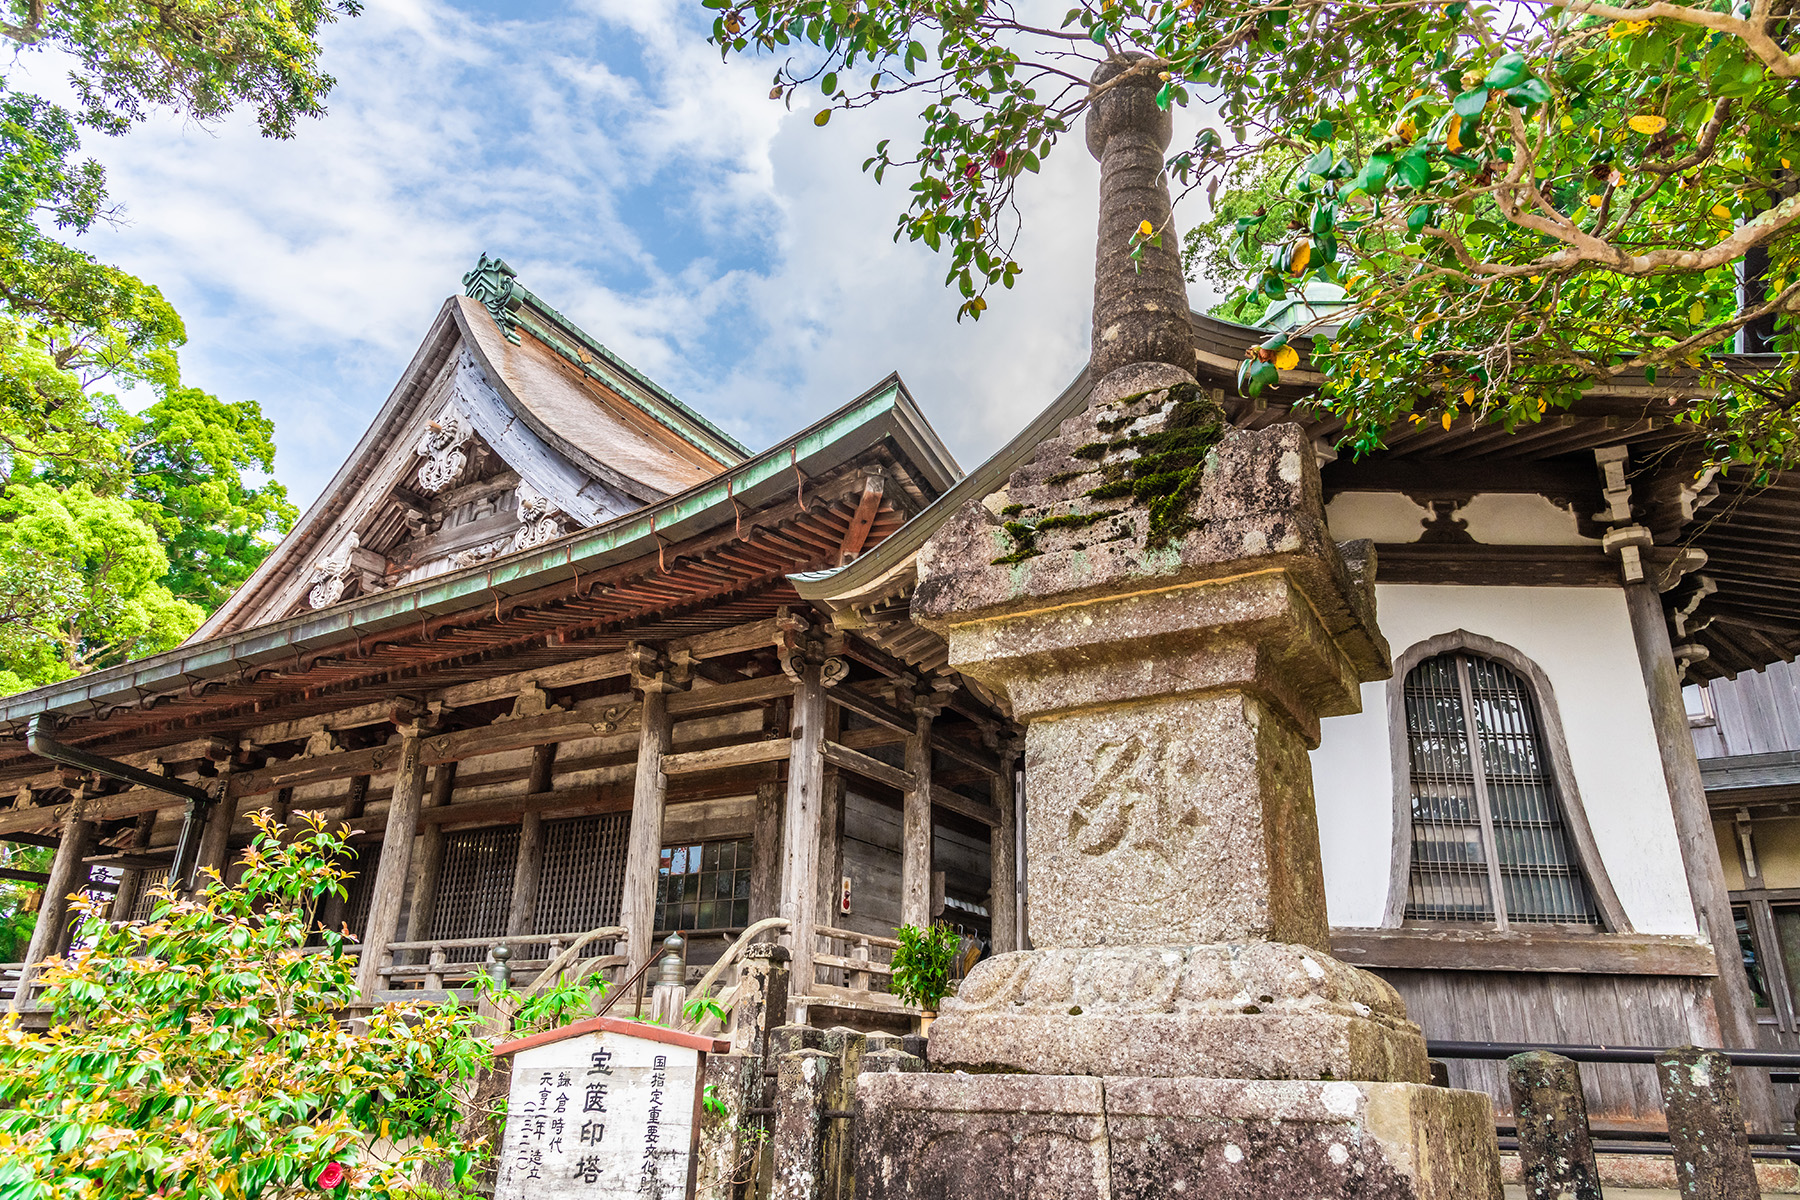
[[604, 1109]]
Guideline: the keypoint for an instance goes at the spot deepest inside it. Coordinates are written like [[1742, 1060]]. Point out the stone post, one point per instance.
[[808, 1077], [1161, 603], [761, 1004], [735, 1079], [1556, 1155], [1706, 1126]]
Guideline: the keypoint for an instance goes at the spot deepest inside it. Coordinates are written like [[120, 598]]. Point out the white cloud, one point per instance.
[[728, 248]]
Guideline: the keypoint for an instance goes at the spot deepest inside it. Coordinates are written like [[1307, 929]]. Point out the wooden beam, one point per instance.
[[582, 670], [1525, 951], [737, 694], [870, 709], [24, 876], [863, 519], [374, 713], [752, 636], [722, 757], [960, 804], [298, 772], [604, 717], [869, 767]]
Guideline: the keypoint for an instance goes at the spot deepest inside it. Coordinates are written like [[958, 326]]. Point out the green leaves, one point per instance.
[[922, 964], [1470, 103], [1508, 72]]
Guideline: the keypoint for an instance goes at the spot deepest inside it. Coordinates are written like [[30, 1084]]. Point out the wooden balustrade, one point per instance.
[[862, 960], [435, 967]]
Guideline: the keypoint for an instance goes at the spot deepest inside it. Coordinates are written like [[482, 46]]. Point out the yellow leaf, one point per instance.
[[1299, 258], [1648, 123], [1566, 123], [1697, 313], [1417, 419], [1469, 396], [1287, 358], [824, 116], [1146, 229], [1542, 405], [1721, 212], [1452, 141], [1447, 419], [1595, 202]]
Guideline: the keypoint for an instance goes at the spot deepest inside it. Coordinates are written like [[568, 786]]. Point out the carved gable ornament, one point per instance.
[[327, 576], [441, 447]]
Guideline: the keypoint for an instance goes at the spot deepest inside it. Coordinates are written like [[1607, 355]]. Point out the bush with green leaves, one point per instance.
[[923, 963], [204, 1054]]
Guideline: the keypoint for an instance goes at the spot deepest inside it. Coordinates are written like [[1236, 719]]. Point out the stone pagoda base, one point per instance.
[[1084, 1137]]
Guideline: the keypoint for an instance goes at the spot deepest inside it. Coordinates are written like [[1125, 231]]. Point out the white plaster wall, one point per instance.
[[1581, 638]]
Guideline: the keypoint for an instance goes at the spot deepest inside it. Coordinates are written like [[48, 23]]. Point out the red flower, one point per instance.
[[999, 159], [972, 170], [330, 1176]]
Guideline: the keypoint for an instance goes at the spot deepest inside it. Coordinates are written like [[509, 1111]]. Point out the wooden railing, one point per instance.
[[10, 974], [853, 969], [433, 969]]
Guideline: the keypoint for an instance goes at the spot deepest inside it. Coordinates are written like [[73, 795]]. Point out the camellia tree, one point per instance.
[[199, 1055], [1522, 200], [121, 527]]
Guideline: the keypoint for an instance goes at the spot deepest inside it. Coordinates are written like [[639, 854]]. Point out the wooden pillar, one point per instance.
[[131, 882], [643, 851], [765, 852], [915, 824], [66, 875], [215, 839], [389, 889], [1003, 873], [428, 867], [1699, 851], [529, 871], [800, 825], [331, 909]]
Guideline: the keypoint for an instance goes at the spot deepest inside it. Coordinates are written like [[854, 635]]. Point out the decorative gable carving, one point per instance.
[[442, 449], [328, 574]]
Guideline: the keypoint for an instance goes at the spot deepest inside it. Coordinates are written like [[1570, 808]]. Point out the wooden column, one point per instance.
[[1003, 874], [428, 867], [131, 883], [215, 839], [800, 825], [396, 861], [331, 909], [1699, 851], [522, 916], [915, 824], [643, 851], [66, 875]]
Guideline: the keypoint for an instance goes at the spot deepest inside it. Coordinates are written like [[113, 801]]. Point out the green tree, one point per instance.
[[120, 528], [200, 1055], [1523, 200]]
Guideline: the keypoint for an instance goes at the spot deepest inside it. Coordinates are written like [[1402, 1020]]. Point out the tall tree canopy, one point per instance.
[[1522, 200], [121, 525]]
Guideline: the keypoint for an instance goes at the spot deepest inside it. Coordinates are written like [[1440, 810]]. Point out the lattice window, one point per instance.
[[704, 886], [1487, 816], [583, 879], [148, 897], [475, 889]]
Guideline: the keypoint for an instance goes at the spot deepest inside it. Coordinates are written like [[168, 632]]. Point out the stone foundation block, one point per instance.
[[1013, 1137]]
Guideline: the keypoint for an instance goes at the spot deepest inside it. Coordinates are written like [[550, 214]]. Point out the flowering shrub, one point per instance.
[[201, 1055]]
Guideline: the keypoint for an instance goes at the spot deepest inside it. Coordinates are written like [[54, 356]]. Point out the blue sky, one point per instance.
[[725, 246]]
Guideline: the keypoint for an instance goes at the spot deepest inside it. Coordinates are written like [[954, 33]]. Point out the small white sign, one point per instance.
[[601, 1114]]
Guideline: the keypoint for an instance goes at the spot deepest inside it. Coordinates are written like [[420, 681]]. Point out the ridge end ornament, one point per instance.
[[493, 285]]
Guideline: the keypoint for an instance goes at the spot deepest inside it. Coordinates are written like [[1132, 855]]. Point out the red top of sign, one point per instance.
[[650, 1033]]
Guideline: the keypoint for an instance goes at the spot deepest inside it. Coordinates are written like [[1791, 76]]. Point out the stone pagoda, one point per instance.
[[1160, 601]]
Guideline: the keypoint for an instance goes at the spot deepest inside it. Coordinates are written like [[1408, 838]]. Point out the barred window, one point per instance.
[[704, 886], [1490, 843]]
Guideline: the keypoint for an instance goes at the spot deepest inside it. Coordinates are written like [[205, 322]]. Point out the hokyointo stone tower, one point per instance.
[[1162, 603]]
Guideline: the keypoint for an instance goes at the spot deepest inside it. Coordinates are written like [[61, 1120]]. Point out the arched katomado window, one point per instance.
[[1491, 821]]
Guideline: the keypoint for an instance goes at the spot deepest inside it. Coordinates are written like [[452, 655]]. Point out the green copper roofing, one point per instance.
[[513, 306]]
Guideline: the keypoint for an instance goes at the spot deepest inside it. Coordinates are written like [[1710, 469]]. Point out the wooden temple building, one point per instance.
[[563, 656]]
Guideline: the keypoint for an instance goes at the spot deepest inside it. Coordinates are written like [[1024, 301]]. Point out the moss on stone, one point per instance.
[[1012, 510], [1094, 451], [1062, 477], [1070, 521], [1169, 466], [1024, 539]]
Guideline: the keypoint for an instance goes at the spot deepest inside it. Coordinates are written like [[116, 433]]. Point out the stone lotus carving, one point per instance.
[[441, 447], [328, 575]]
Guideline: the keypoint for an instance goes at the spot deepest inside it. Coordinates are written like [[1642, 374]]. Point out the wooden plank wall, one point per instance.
[[1758, 713], [872, 861], [1500, 1006]]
